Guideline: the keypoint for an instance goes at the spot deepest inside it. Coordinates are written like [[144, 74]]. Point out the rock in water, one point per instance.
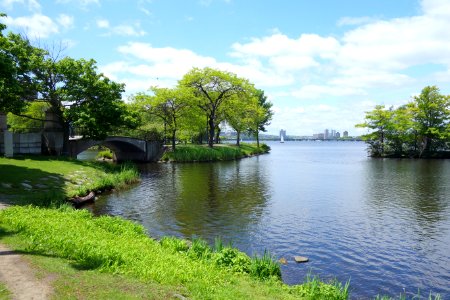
[[300, 259], [283, 261]]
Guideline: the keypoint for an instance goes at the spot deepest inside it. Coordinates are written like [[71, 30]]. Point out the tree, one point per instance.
[[378, 120], [432, 117], [238, 114], [262, 115], [212, 88], [35, 113], [401, 130], [80, 97], [17, 86], [170, 105]]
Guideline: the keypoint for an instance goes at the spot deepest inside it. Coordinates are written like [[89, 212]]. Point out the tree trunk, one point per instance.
[[238, 139], [165, 132], [66, 136], [257, 138], [211, 132], [218, 135], [173, 139]]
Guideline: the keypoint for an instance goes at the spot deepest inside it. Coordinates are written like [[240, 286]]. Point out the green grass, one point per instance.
[[105, 154], [4, 293], [200, 153], [53, 180], [122, 249]]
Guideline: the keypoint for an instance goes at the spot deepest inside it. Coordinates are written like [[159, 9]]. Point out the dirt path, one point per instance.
[[19, 277]]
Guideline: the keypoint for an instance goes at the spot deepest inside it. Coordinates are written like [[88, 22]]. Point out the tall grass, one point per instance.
[[194, 153], [114, 245], [104, 154]]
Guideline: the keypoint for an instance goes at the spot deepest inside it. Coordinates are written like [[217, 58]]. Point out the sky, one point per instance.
[[322, 63]]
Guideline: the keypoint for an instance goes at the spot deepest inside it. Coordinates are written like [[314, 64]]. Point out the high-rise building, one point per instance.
[[337, 135], [326, 134], [345, 133], [283, 134], [333, 134]]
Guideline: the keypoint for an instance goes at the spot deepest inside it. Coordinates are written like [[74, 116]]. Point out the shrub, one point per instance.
[[265, 267], [105, 154]]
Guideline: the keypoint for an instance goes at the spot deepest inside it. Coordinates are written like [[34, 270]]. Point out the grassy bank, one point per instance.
[[121, 249], [202, 153], [45, 181]]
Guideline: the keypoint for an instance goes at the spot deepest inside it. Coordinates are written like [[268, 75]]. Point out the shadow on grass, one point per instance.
[[21, 185]]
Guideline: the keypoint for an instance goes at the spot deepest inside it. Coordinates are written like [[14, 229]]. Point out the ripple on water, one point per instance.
[[383, 224]]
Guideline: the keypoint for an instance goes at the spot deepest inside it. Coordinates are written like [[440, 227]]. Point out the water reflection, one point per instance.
[[384, 224], [417, 188], [206, 200]]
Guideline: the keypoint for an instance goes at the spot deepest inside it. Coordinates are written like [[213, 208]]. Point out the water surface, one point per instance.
[[383, 224]]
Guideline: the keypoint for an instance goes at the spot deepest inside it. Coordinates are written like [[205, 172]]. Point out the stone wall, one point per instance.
[[27, 143]]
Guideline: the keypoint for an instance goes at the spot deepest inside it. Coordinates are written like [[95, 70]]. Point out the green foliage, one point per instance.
[[105, 154], [419, 128], [174, 244], [35, 110], [265, 267], [113, 245], [212, 91], [17, 58], [4, 293], [198, 153], [314, 288], [113, 177]]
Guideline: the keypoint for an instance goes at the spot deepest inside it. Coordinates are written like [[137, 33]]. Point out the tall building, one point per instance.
[[333, 134], [283, 134], [346, 133], [337, 135], [326, 134]]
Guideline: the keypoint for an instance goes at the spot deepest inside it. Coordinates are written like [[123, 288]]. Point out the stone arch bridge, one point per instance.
[[124, 148]]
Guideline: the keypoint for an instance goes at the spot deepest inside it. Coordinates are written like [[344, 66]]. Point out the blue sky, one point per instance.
[[322, 63]]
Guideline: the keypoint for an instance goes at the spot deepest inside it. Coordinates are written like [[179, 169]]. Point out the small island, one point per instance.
[[418, 129]]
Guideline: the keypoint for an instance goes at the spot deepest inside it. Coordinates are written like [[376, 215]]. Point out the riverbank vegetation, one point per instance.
[[45, 181], [114, 246], [201, 153], [420, 128]]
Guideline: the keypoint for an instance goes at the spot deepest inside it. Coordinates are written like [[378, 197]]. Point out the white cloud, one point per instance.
[[320, 91], [315, 81], [123, 29], [102, 23], [128, 30], [32, 5], [35, 26], [65, 21]]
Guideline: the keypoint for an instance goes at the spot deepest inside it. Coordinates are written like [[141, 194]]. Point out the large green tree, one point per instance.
[[261, 115], [418, 128], [80, 97], [432, 117], [170, 105], [17, 86], [379, 121], [238, 114], [212, 88]]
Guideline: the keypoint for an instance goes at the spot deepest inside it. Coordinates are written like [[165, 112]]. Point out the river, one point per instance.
[[383, 224]]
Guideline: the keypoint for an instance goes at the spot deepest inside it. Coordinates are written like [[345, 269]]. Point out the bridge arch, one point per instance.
[[124, 148]]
